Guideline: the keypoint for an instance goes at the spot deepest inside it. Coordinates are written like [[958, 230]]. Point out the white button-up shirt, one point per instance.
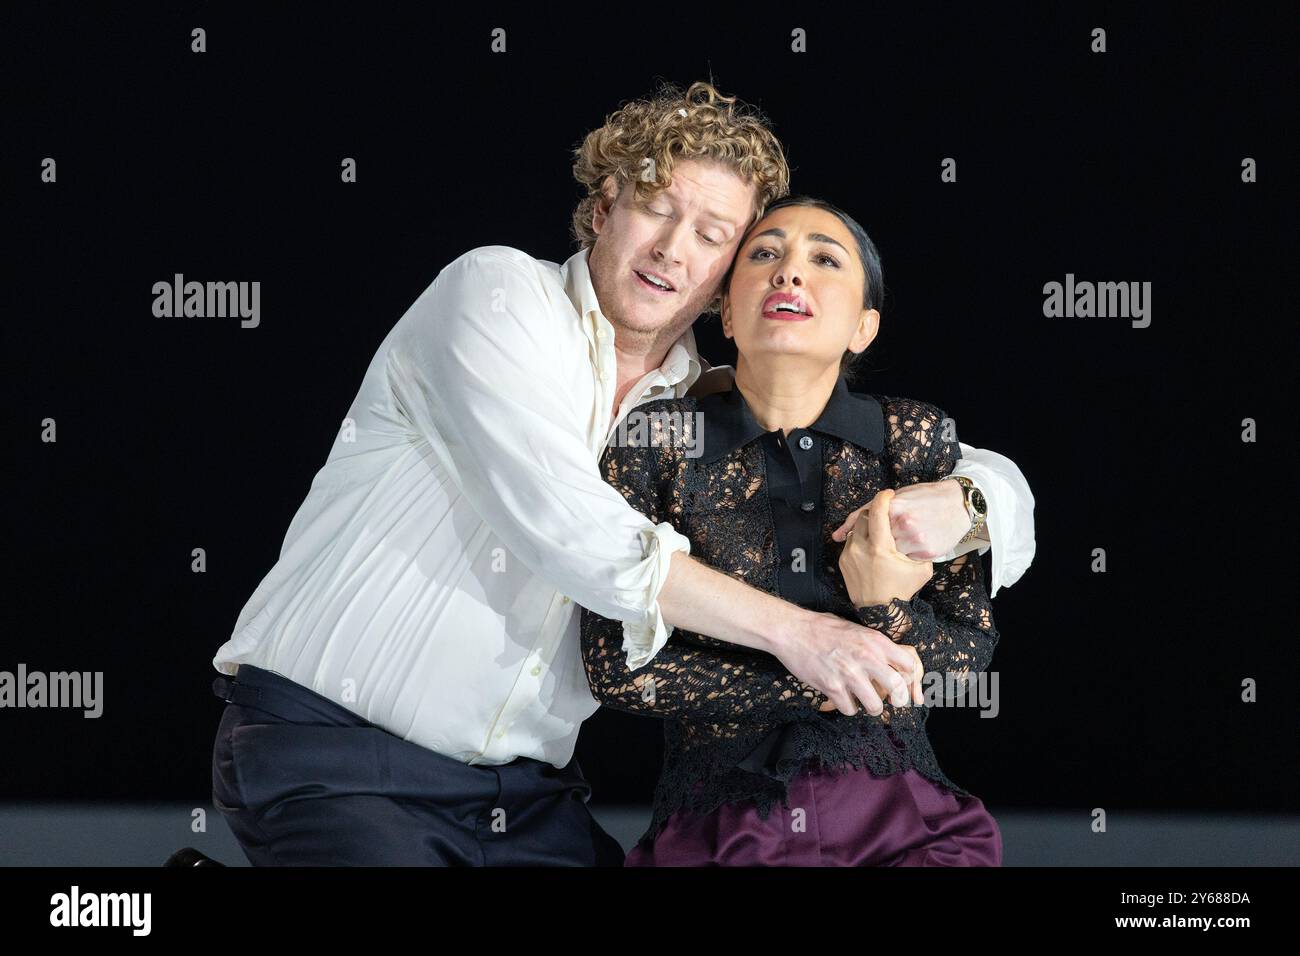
[[428, 582], [1011, 514]]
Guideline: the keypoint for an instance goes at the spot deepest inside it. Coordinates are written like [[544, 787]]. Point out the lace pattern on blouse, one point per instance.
[[738, 725]]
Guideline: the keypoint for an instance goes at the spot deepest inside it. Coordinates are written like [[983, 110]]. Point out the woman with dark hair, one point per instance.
[[759, 477]]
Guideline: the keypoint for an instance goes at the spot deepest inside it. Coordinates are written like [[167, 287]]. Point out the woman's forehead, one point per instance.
[[790, 222]]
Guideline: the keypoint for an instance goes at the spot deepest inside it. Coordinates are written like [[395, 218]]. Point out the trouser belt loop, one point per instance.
[[232, 692]]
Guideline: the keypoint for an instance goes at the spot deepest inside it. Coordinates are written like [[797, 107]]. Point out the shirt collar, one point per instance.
[[729, 424], [682, 364]]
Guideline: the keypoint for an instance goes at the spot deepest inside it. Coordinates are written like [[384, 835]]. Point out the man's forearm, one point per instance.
[[851, 664], [980, 542], [698, 598]]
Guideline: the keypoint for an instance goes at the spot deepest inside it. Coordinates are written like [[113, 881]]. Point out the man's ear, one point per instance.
[[868, 326], [604, 202]]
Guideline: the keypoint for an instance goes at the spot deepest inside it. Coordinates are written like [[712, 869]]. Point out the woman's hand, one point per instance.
[[874, 570]]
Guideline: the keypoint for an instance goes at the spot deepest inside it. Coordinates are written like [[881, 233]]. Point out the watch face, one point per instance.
[[977, 502]]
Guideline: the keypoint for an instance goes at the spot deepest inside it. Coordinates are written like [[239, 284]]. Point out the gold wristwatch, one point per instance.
[[976, 507]]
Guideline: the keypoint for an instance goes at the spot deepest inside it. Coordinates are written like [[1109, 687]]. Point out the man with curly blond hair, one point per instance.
[[406, 684]]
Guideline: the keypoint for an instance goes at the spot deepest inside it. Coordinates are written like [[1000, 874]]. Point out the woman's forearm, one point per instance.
[[685, 681]]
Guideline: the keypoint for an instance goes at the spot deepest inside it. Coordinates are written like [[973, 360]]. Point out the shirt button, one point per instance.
[[501, 733], [537, 669], [565, 599], [807, 506], [805, 443]]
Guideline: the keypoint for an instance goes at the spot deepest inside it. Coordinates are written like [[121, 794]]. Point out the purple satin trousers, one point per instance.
[[835, 819]]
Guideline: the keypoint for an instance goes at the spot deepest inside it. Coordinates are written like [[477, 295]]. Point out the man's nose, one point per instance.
[[668, 244]]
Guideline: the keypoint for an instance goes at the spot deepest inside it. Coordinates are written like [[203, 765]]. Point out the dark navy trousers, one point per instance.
[[303, 781]]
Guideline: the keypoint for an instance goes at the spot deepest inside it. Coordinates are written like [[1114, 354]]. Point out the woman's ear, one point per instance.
[[868, 326], [725, 312]]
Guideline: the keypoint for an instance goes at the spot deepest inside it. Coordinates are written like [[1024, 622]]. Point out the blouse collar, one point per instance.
[[728, 423]]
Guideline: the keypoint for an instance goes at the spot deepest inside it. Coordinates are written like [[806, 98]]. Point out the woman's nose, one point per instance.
[[782, 276]]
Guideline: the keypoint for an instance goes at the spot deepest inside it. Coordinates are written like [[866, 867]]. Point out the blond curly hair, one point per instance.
[[698, 124]]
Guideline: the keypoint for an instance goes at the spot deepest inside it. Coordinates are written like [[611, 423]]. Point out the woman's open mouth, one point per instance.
[[786, 307]]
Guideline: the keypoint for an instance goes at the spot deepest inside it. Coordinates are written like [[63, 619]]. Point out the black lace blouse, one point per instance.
[[762, 506]]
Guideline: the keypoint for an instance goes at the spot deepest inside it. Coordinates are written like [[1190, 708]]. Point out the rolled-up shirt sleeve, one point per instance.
[[1011, 513], [478, 368]]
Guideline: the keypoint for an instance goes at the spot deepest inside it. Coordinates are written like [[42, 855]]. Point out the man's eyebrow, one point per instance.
[[814, 236], [720, 218], [710, 214]]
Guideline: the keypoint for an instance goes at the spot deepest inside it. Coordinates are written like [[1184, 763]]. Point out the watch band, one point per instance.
[[971, 497]]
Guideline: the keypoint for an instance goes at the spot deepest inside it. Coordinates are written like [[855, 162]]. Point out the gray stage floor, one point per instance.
[[145, 835]]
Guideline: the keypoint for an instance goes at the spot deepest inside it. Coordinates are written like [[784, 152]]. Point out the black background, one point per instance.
[[1120, 688]]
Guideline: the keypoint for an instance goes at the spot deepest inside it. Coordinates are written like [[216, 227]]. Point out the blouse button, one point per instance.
[[807, 506], [805, 443]]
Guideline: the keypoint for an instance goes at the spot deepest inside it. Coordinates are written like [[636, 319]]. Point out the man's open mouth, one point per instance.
[[652, 281]]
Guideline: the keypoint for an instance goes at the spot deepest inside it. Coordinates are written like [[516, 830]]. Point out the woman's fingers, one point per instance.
[[878, 521], [842, 532]]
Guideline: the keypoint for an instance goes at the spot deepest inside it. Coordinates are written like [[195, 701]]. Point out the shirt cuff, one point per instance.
[[1010, 511], [643, 638], [976, 544]]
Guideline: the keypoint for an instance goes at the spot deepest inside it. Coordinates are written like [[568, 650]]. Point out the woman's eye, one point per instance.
[[758, 252], [830, 259]]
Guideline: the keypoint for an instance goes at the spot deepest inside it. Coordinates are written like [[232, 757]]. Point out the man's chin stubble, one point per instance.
[[650, 340]]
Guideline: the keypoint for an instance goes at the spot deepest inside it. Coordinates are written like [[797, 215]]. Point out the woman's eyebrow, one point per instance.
[[820, 237], [814, 236]]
